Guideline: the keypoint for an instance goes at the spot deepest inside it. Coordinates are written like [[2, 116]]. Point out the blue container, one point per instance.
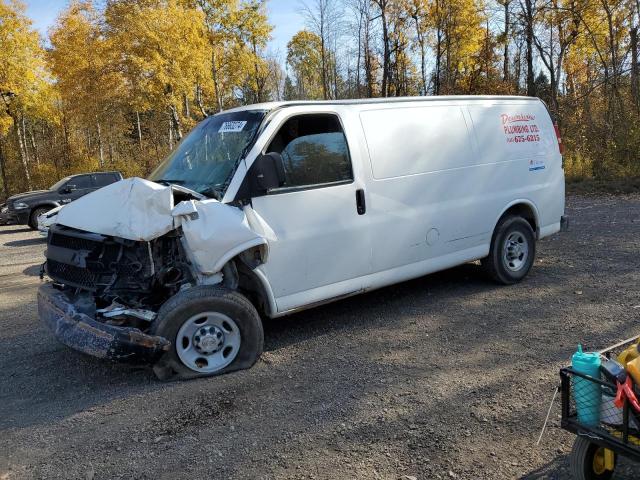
[[587, 394]]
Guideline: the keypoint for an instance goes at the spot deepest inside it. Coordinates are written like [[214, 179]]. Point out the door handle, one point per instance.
[[361, 204]]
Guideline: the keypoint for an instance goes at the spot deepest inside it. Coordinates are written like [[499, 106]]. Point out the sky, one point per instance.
[[284, 15]]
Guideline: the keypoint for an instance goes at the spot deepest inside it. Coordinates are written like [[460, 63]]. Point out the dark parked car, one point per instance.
[[24, 208]]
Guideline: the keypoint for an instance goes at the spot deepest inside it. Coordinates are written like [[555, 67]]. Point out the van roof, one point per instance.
[[365, 101]]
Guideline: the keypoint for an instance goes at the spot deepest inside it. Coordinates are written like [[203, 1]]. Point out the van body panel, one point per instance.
[[420, 185], [441, 209]]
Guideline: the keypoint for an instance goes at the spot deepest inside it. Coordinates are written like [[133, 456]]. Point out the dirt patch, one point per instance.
[[447, 376]]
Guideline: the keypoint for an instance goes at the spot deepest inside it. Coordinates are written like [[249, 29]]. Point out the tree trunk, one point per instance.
[[3, 171], [199, 103], [175, 121], [531, 86], [138, 128], [438, 72], [216, 87], [421, 43], [505, 61], [256, 71], [386, 56], [23, 134], [635, 69], [100, 146], [21, 150], [34, 146], [187, 110], [170, 134]]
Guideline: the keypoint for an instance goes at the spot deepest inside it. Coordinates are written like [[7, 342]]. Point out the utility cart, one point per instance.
[[604, 413]]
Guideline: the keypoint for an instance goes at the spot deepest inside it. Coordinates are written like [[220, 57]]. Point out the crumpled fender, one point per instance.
[[215, 232]]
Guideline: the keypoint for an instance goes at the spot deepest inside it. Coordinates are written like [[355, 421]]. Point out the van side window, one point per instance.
[[314, 151]]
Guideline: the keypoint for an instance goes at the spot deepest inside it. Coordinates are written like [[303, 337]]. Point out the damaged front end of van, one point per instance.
[[149, 271], [107, 287]]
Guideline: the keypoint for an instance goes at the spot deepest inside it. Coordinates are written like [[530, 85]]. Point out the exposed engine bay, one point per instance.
[[138, 274]]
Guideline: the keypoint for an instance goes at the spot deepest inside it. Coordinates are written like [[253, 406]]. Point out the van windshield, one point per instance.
[[206, 159]]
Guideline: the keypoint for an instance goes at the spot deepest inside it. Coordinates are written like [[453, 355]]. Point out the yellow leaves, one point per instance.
[[23, 75], [163, 49], [304, 57]]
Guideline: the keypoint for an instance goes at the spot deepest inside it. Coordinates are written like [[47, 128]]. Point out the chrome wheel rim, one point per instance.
[[515, 251], [208, 342]]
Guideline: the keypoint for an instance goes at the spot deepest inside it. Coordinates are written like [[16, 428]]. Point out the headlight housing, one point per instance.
[[20, 206]]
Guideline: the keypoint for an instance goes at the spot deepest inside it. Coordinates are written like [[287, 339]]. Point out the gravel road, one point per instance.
[[447, 376]]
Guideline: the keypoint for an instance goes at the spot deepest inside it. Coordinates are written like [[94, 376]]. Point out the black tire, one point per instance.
[[581, 462], [184, 305], [499, 268], [33, 217]]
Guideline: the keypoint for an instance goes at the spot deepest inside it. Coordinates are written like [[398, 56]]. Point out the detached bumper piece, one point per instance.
[[79, 331]]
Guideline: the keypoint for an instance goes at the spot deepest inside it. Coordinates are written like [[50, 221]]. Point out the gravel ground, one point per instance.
[[446, 376]]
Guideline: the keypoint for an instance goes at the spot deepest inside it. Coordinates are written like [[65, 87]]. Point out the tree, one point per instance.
[[304, 56], [24, 86], [163, 53], [91, 87]]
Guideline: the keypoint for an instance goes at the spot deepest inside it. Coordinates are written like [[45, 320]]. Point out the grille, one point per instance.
[[71, 275], [73, 243]]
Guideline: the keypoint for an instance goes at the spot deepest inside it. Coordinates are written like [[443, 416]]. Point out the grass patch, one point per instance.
[[613, 186]]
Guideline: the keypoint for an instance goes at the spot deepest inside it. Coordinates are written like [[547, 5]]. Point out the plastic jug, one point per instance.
[[587, 394]]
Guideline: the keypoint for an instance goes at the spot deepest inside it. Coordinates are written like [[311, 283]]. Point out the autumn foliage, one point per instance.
[[118, 83]]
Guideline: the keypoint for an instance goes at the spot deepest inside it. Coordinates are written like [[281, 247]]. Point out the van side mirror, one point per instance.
[[266, 173]]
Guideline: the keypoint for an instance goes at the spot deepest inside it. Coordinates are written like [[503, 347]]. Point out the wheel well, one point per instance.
[[525, 211], [42, 205], [248, 282]]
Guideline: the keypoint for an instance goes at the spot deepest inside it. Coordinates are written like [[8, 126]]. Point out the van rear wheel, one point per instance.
[[212, 329], [512, 252]]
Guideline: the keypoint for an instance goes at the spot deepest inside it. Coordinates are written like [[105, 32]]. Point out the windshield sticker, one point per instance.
[[520, 128], [536, 165], [232, 126]]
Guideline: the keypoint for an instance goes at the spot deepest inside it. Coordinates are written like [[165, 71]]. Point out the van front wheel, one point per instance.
[[212, 329], [513, 249]]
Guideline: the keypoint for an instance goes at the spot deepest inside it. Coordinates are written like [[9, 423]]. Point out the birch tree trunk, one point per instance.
[[100, 146], [139, 128], [175, 120], [21, 152], [34, 146]]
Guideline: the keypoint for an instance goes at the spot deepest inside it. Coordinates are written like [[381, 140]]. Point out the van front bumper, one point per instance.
[[81, 332]]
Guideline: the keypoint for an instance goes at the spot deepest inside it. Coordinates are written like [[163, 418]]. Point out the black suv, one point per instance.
[[25, 208]]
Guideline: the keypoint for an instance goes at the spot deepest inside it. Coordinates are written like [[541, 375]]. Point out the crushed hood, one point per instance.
[[137, 209], [134, 209]]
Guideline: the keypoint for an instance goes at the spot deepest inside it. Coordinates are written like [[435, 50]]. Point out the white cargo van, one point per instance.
[[272, 208]]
